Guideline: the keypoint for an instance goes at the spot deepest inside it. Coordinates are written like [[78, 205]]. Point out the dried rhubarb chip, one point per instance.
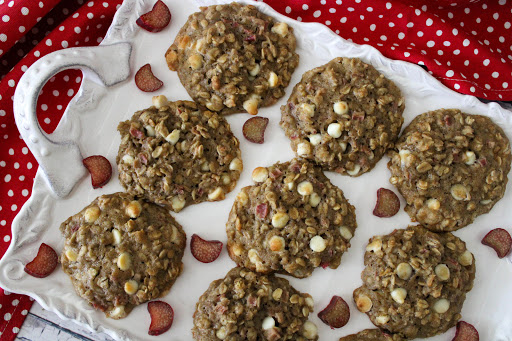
[[499, 240], [162, 315], [254, 129], [262, 211], [336, 314], [387, 204], [466, 332], [146, 80], [157, 19], [100, 170], [45, 262], [205, 251]]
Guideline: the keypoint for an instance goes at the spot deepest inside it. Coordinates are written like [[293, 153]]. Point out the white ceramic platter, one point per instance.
[[91, 120]]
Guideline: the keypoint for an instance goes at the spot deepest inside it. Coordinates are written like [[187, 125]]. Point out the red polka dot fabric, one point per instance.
[[465, 44]]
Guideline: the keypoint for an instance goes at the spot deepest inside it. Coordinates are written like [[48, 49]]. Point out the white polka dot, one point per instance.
[[420, 34], [439, 33], [7, 178], [456, 52], [407, 54], [429, 22], [486, 62], [317, 13], [507, 25], [2, 112], [496, 16], [44, 107], [16, 165], [7, 293], [417, 11], [105, 4], [11, 3], [383, 38], [64, 44], [391, 24], [22, 177], [456, 86], [465, 42], [7, 239], [373, 27], [7, 316], [455, 31], [100, 39], [354, 29], [24, 312], [48, 42], [6, 18], [3, 223], [446, 43], [24, 192], [430, 43], [11, 152], [401, 35], [3, 37], [450, 15], [24, 10], [490, 29], [288, 9], [2, 164], [90, 4], [77, 29], [90, 15], [41, 5], [15, 330], [472, 89], [71, 92], [59, 107], [487, 86], [476, 75], [410, 25], [15, 302], [24, 150], [29, 165], [466, 62], [495, 74], [504, 85], [305, 7], [476, 51], [37, 53], [298, 19], [55, 93]]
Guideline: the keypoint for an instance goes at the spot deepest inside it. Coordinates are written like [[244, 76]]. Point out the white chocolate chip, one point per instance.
[[485, 202], [217, 194], [345, 232], [364, 303], [470, 157], [205, 166], [255, 70], [251, 105], [305, 188], [442, 272], [308, 109], [124, 261], [91, 214], [253, 256], [404, 156], [160, 101], [92, 272], [343, 146], [128, 159], [310, 330], [177, 203], [433, 204], [290, 186], [315, 139], [466, 258], [221, 333], [116, 234], [354, 171], [117, 312], [195, 61], [277, 243], [334, 130], [150, 130], [317, 244], [374, 246], [71, 255], [280, 219], [131, 287], [173, 137], [310, 302], [259, 174], [404, 271], [242, 198], [441, 306], [280, 28], [382, 319], [268, 323], [340, 108], [460, 192], [304, 149], [399, 295], [273, 80], [314, 199], [235, 165], [226, 179], [133, 209]]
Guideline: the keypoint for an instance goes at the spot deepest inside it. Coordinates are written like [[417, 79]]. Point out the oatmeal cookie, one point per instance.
[[372, 335], [450, 167], [233, 58], [343, 115], [291, 221], [246, 305], [121, 251], [415, 281], [176, 154]]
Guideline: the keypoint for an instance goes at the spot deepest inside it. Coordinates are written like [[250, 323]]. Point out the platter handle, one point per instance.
[[61, 160]]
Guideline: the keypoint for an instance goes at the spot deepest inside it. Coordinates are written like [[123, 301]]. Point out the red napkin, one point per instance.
[[467, 46]]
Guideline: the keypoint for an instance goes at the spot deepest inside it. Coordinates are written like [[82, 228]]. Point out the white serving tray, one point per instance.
[[89, 127]]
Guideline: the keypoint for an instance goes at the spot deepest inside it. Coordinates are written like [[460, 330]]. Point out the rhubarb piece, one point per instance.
[[162, 315], [146, 80], [205, 251], [499, 240], [336, 314], [466, 332], [262, 211], [44, 263], [156, 19], [387, 204], [254, 129], [100, 169]]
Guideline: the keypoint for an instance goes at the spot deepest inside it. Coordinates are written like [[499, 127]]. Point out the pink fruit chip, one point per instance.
[[499, 240], [262, 211], [157, 19], [146, 80], [336, 314], [205, 251], [254, 129], [387, 204], [44, 263], [162, 315], [466, 332], [100, 169]]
